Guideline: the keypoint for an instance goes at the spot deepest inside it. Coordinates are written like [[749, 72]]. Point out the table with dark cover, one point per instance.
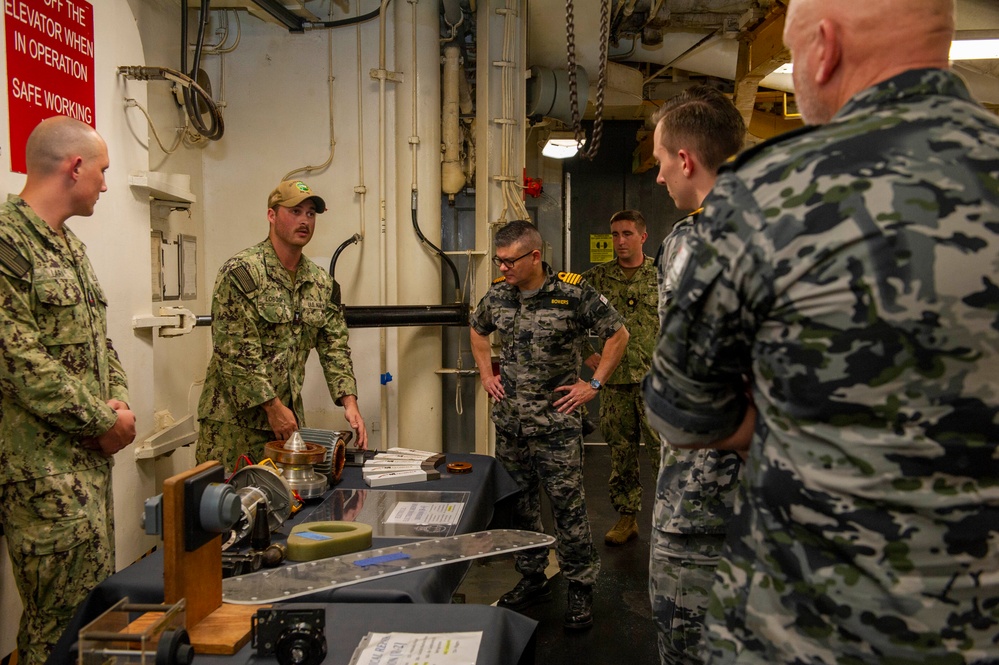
[[488, 485]]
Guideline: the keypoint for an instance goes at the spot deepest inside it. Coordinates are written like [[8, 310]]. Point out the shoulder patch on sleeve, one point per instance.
[[570, 277], [499, 279], [13, 261], [243, 278]]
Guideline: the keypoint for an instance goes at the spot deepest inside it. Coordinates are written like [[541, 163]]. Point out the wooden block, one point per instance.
[[224, 631], [194, 576]]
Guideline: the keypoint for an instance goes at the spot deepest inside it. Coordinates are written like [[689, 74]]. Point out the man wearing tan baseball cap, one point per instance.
[[292, 192], [271, 306]]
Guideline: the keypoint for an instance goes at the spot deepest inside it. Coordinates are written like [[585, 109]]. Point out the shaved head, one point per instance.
[[841, 47], [56, 139]]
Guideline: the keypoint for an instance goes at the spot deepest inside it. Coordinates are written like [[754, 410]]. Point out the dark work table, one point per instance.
[[507, 636], [487, 485]]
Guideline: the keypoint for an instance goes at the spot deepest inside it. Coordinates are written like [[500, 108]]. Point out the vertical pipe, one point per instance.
[[419, 272], [452, 174], [382, 239]]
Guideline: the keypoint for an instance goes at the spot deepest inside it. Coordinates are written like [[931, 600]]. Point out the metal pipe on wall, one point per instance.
[[419, 271], [392, 316]]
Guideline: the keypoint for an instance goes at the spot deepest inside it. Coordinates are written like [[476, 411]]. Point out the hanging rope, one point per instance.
[[590, 151]]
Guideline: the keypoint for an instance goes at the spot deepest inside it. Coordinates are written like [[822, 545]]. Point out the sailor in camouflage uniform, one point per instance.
[[542, 320], [63, 394], [850, 269], [271, 307], [696, 131], [629, 284]]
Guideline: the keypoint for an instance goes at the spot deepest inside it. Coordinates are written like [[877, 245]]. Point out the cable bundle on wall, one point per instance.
[[193, 93]]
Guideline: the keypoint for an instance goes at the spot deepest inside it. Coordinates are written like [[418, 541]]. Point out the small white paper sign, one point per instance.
[[418, 649], [421, 512]]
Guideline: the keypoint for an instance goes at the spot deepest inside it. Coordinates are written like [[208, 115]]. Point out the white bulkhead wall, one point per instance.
[[117, 238], [277, 120]]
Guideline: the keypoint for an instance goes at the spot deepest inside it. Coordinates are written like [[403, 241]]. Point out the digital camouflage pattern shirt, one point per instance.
[[263, 328], [541, 338], [851, 270], [635, 300], [695, 489], [58, 366]]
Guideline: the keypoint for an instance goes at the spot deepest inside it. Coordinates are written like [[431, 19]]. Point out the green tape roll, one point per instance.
[[320, 540]]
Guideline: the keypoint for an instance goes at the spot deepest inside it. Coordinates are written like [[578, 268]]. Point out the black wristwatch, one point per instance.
[[596, 385]]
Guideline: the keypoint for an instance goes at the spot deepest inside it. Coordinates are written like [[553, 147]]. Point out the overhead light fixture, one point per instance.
[[974, 49], [960, 49], [562, 145]]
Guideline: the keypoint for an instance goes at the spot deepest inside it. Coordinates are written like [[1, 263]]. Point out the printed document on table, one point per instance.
[[419, 512], [417, 649]]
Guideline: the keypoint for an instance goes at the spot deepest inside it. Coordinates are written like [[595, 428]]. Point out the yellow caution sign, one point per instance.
[[601, 247]]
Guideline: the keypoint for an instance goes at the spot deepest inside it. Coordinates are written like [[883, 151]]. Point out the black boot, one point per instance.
[[530, 590], [579, 614]]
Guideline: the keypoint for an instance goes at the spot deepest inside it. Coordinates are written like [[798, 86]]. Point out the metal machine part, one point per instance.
[[249, 497], [293, 636], [275, 488], [335, 442], [219, 508], [216, 503], [296, 458], [302, 579]]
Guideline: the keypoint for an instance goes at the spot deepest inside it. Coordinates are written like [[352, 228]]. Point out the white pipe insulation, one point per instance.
[[452, 173]]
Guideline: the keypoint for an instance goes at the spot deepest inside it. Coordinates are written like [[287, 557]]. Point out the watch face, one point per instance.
[[595, 384]]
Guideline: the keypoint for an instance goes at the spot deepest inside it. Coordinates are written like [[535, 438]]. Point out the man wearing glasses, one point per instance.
[[543, 320]]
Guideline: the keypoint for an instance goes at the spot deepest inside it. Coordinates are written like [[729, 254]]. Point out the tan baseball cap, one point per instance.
[[292, 192]]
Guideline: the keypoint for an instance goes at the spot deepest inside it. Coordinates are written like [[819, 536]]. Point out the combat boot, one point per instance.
[[625, 529], [530, 590], [579, 614]]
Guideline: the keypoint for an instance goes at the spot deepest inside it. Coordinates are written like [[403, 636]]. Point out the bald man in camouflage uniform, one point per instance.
[[63, 393], [629, 284], [271, 307], [542, 320], [850, 269]]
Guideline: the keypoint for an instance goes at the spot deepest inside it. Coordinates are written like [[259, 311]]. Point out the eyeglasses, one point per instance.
[[509, 262]]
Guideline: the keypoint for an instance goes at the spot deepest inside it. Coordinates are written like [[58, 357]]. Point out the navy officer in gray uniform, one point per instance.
[[542, 320], [850, 269]]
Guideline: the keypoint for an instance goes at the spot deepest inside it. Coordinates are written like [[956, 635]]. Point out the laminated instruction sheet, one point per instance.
[[418, 649], [395, 513]]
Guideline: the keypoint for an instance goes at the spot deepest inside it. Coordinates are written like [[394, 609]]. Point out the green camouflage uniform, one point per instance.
[[541, 337], [695, 491], [622, 409], [850, 269], [263, 328], [58, 372]]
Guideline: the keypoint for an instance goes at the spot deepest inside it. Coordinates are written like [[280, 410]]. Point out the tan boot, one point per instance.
[[625, 529]]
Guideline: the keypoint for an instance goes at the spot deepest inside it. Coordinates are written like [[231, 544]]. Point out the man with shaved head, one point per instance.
[[849, 270], [63, 394]]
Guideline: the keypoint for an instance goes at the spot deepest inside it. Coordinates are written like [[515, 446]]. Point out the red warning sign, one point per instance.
[[50, 66]]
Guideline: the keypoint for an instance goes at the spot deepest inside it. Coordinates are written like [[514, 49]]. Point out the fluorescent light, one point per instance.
[[975, 49], [558, 147], [961, 49]]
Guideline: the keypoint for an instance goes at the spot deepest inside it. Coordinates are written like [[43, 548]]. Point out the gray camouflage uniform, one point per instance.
[[695, 491], [851, 270], [622, 409], [263, 328], [541, 337], [58, 372]]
